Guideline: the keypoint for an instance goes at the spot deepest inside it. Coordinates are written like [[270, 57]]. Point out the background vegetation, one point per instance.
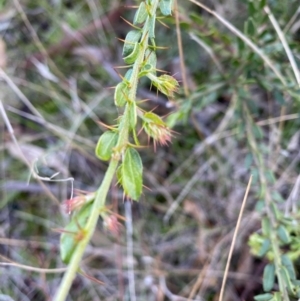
[[236, 115]]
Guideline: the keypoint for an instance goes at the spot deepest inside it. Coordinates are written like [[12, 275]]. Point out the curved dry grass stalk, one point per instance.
[[234, 240], [28, 267], [180, 50], [284, 44]]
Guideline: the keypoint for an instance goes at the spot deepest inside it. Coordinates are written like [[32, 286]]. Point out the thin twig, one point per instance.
[[181, 55], [33, 269], [28, 267], [278, 119], [292, 20], [284, 44], [234, 240]]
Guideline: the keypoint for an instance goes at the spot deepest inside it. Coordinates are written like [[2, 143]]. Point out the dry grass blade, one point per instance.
[[234, 240], [29, 268], [181, 54], [284, 44]]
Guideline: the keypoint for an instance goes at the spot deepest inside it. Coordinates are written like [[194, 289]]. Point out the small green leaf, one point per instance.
[[266, 226], [262, 3], [132, 174], [265, 247], [141, 14], [150, 117], [276, 196], [128, 74], [286, 261], [257, 131], [121, 92], [275, 211], [146, 69], [173, 118], [132, 115], [151, 58], [251, 8], [286, 277], [269, 277], [240, 46], [165, 7], [130, 59], [131, 39], [263, 297], [250, 28], [119, 175], [72, 235], [283, 234], [152, 27], [105, 145]]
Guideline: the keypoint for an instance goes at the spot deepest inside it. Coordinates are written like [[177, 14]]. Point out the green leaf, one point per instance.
[[276, 196], [150, 117], [132, 174], [165, 7], [128, 74], [265, 247], [151, 58], [283, 234], [132, 115], [251, 8], [131, 39], [262, 3], [250, 28], [275, 211], [121, 92], [141, 14], [263, 297], [145, 70], [130, 59], [266, 226], [286, 261], [152, 27], [257, 131], [286, 277], [105, 145], [269, 277], [73, 233]]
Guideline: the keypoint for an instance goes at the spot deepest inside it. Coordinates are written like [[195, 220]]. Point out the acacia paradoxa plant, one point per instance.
[[119, 143]]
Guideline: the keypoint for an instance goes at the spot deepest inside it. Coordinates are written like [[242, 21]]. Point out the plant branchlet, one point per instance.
[[115, 145]]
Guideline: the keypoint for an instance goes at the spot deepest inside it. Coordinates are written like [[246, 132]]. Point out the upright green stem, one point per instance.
[[101, 194], [90, 227]]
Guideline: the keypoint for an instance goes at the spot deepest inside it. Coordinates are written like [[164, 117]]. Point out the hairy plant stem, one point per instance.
[[101, 194]]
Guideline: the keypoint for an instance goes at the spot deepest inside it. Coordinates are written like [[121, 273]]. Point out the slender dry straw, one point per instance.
[[180, 50], [234, 240], [284, 44]]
